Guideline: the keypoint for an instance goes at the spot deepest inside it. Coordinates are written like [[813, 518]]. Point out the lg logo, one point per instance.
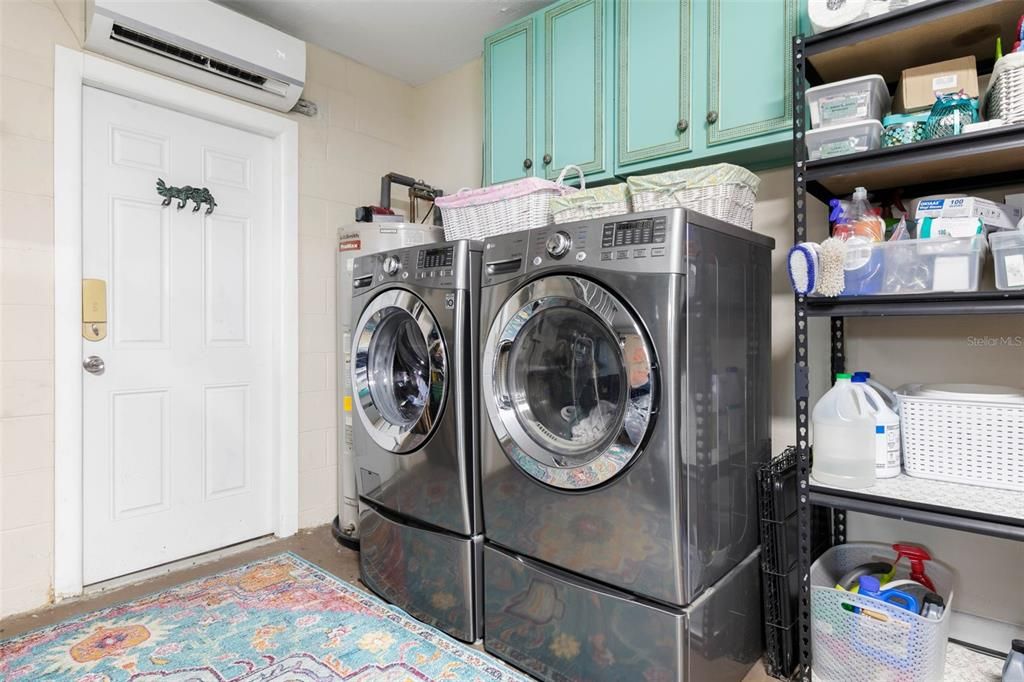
[[281, 55]]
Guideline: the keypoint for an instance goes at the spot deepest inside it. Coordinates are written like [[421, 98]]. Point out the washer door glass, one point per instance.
[[572, 379], [399, 369]]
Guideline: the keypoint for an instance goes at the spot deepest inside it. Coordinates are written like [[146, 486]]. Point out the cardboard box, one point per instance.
[[994, 215], [918, 86]]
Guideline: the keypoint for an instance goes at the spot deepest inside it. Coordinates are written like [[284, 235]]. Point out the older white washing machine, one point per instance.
[[625, 410], [414, 382]]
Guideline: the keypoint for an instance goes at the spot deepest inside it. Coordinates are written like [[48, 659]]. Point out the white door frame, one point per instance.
[[72, 71]]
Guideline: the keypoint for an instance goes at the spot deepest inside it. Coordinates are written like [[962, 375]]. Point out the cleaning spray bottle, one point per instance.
[[864, 264], [887, 429]]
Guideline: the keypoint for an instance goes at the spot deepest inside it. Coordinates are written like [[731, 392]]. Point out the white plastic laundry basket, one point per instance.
[[891, 643], [950, 438]]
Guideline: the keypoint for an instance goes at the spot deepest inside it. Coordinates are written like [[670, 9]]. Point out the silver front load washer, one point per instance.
[[625, 383], [414, 366]]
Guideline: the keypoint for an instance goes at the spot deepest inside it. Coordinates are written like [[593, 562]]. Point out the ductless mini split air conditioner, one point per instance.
[[202, 43]]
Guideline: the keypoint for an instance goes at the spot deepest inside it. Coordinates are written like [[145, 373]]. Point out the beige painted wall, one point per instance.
[[364, 129]]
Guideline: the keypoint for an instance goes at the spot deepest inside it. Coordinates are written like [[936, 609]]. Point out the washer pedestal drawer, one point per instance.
[[434, 576], [559, 626]]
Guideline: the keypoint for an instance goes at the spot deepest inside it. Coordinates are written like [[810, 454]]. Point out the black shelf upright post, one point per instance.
[[803, 465]]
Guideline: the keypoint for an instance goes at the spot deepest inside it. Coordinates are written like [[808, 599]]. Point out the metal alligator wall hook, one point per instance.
[[185, 194]]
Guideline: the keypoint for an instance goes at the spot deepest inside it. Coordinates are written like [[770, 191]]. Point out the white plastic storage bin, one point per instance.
[[854, 99], [1008, 255], [894, 644], [843, 139], [916, 266], [964, 434]]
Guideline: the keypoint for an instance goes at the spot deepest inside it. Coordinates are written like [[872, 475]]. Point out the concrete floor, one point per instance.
[[315, 545]]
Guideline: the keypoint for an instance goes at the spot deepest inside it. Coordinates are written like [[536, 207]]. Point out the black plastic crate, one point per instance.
[[777, 486], [780, 592], [780, 659], [779, 544]]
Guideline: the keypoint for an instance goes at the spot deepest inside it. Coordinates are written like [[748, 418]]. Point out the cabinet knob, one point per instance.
[[528, 163], [712, 116], [682, 125], [547, 159]]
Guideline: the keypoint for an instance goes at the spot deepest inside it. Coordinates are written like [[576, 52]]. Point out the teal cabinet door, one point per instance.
[[653, 83], [509, 104], [577, 68], [750, 84]]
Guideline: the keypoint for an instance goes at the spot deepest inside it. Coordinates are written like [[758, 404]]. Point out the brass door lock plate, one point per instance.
[[94, 309]]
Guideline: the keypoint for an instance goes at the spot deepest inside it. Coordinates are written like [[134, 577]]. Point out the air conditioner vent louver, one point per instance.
[[201, 43], [129, 36]]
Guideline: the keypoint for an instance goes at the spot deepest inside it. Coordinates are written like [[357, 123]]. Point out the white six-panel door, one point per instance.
[[177, 429]]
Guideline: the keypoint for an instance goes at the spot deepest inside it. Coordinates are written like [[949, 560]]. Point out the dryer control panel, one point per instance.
[[442, 265]]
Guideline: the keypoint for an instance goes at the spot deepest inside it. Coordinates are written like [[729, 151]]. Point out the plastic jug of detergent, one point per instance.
[[844, 437], [892, 401], [887, 430]]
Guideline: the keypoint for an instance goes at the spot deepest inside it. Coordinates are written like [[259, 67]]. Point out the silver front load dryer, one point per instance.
[[625, 395], [415, 439]]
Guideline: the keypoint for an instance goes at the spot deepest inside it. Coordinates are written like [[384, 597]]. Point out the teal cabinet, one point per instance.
[[653, 85], [620, 87], [509, 115], [577, 88], [750, 82]]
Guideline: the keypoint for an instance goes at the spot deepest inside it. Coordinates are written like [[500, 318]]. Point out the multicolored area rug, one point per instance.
[[276, 620]]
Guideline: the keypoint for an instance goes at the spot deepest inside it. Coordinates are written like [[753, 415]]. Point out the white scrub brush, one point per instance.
[[803, 267], [831, 275]]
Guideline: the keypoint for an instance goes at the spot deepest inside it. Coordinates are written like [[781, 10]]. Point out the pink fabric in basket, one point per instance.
[[508, 190]]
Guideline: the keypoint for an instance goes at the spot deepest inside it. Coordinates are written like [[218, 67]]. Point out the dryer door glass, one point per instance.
[[399, 368], [572, 381]]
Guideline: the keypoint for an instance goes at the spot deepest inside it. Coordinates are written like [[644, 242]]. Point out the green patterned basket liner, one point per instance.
[[692, 178], [596, 200]]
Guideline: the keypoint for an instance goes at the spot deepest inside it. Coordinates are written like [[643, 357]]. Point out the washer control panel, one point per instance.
[[558, 244], [605, 243]]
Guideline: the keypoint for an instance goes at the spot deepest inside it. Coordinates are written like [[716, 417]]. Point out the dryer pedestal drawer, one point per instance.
[[434, 576], [557, 626]]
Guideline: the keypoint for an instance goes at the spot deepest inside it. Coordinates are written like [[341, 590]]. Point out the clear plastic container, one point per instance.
[[1008, 254], [844, 437], [855, 99], [922, 266], [846, 138]]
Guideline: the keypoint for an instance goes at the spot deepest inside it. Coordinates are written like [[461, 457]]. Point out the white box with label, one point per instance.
[[996, 216]]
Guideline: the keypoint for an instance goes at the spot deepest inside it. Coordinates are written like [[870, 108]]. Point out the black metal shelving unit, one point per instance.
[[915, 35]]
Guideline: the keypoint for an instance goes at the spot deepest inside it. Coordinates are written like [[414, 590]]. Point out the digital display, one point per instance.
[[436, 258], [633, 232]]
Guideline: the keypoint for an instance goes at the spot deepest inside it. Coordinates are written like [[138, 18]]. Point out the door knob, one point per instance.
[[712, 116], [682, 125], [94, 364], [547, 159], [528, 164]]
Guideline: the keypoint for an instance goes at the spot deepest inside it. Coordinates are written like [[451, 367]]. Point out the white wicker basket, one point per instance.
[[499, 209], [722, 191], [965, 441], [1004, 98], [597, 202]]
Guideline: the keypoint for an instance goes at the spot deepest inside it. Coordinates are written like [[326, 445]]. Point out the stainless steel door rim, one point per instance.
[[399, 370], [571, 382]]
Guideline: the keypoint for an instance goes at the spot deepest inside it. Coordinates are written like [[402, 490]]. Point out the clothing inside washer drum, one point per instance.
[[400, 362]]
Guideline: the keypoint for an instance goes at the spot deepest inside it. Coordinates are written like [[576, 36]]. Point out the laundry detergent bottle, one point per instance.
[[887, 429], [844, 437]]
